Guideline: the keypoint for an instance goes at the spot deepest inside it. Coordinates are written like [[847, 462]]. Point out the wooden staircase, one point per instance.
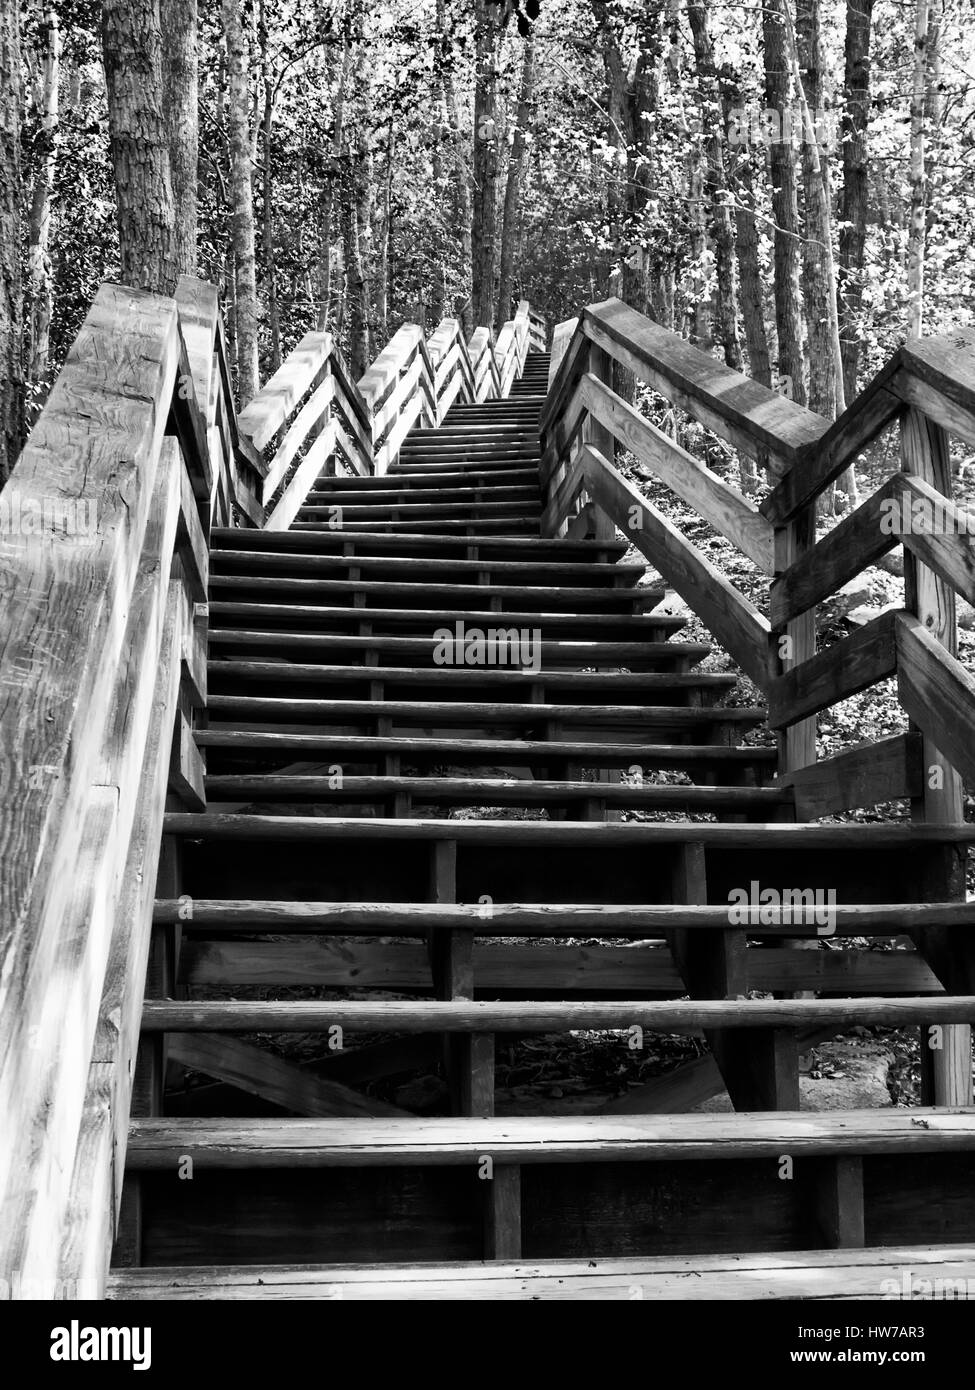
[[444, 779], [365, 828]]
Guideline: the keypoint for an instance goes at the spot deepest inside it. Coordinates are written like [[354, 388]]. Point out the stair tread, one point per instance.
[[438, 617], [282, 539], [303, 557], [531, 1016], [540, 593], [568, 919], [518, 791], [488, 748], [804, 1274], [684, 715], [223, 1142], [467, 676], [722, 835]]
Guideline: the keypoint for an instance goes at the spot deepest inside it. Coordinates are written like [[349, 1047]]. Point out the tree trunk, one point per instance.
[[816, 283], [241, 205], [383, 258], [742, 185], [484, 230], [918, 175], [267, 217], [512, 192], [785, 212], [39, 227], [462, 183], [139, 143], [333, 177], [359, 222], [853, 202], [11, 288], [181, 107], [717, 186]]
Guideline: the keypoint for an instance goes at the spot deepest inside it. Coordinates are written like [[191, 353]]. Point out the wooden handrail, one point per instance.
[[103, 559], [928, 389]]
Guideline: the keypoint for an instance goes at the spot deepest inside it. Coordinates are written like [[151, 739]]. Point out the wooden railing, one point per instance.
[[313, 415], [927, 392], [104, 559], [103, 567]]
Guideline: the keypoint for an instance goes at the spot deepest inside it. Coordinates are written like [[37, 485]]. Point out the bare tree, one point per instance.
[[785, 209]]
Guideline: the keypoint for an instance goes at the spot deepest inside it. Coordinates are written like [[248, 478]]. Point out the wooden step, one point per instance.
[[494, 791], [654, 627], [639, 921], [521, 1016], [302, 558], [411, 494], [159, 1143], [438, 478], [760, 835], [583, 686], [643, 656], [804, 1274], [509, 528], [647, 718], [491, 751], [549, 598], [422, 511], [575, 552]]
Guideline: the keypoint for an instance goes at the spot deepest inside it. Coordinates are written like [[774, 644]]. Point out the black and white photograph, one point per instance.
[[487, 674]]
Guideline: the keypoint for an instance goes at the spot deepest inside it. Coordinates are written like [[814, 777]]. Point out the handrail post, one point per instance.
[[946, 1051], [797, 641], [597, 525]]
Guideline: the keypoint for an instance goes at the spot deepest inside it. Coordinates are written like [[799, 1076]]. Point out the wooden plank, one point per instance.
[[232, 1143], [314, 412], [190, 540], [824, 460], [930, 600], [460, 1015], [757, 835], [865, 775], [834, 673], [562, 335], [759, 422], [937, 692], [839, 1203], [940, 380], [854, 543], [293, 498], [262, 1073], [806, 1274], [262, 417], [217, 917], [711, 497], [939, 535], [502, 1213], [796, 645], [187, 773], [98, 440], [735, 622], [187, 420]]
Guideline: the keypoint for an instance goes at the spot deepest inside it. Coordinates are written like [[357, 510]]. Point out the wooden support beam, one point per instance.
[[502, 1213], [469, 1060], [834, 673], [931, 602], [839, 1203], [760, 1068], [865, 775]]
